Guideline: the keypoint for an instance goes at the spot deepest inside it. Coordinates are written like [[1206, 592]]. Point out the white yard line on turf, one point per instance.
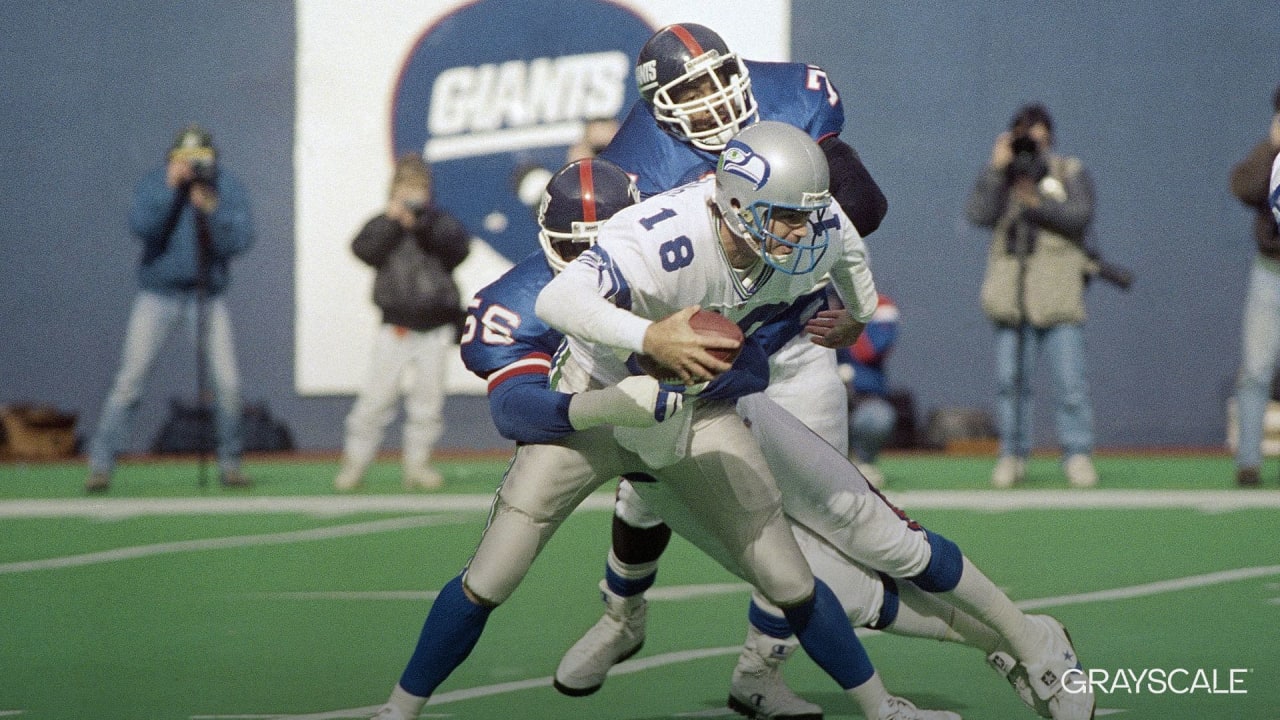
[[1210, 501], [648, 663], [321, 506], [238, 541]]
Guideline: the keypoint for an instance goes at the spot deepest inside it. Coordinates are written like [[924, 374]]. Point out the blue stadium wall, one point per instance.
[[1159, 99]]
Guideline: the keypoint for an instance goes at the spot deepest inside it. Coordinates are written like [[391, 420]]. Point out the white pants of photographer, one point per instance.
[[409, 363]]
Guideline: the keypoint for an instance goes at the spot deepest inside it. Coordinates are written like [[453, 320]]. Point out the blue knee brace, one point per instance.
[[945, 566]]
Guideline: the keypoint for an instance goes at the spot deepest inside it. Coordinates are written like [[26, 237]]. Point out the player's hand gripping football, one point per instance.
[[688, 354], [833, 328]]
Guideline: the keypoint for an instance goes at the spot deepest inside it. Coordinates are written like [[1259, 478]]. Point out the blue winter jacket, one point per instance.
[[165, 221]]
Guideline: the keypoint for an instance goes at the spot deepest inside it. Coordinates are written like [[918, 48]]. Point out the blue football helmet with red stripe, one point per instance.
[[578, 198], [698, 90]]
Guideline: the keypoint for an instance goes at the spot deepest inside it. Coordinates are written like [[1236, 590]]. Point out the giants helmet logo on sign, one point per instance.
[[479, 109]]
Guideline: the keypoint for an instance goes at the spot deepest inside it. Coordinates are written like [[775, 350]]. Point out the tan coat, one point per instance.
[[1055, 269]]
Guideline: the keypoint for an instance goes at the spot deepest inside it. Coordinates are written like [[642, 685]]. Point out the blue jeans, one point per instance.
[[1064, 349], [1259, 347], [870, 426], [151, 322]]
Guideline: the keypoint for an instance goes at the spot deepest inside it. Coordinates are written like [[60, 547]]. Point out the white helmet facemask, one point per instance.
[[708, 122]]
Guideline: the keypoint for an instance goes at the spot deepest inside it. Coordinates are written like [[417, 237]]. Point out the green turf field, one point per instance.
[[165, 601]]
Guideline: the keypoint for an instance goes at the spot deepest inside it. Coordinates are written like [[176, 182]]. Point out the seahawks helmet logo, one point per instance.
[[740, 160]]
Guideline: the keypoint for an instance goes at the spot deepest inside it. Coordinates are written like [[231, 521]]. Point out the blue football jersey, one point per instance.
[[501, 327], [505, 343], [794, 93]]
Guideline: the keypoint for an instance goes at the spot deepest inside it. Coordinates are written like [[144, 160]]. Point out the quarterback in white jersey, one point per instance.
[[657, 258], [747, 245]]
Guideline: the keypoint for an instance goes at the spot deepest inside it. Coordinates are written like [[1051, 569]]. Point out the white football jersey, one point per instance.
[[663, 255]]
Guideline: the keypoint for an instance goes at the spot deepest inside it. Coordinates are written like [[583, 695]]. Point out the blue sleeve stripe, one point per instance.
[[613, 286]]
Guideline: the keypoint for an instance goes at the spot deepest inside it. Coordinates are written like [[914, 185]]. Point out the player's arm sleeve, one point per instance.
[[853, 187], [525, 409], [750, 371], [575, 303], [789, 323], [852, 277]]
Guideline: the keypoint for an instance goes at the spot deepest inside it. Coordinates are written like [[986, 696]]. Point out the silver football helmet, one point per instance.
[[772, 170]]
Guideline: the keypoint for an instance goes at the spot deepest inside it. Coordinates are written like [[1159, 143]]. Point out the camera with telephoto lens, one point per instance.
[[205, 170], [416, 207], [1028, 162]]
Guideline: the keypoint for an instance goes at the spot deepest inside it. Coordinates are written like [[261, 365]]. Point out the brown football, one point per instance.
[[704, 322]]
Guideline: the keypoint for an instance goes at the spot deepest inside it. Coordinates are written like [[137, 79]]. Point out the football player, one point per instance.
[[747, 245], [507, 344], [655, 264], [695, 95]]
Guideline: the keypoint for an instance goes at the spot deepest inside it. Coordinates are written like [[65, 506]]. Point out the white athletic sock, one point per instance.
[[408, 704], [980, 597], [869, 695], [926, 615]]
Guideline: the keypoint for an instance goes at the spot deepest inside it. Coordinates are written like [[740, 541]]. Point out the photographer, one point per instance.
[[1039, 205], [192, 217], [1260, 333], [414, 246]]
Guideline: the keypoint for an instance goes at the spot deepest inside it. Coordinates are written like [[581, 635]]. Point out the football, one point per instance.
[[704, 322]]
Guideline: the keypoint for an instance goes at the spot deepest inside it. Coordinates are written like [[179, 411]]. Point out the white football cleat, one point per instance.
[[758, 690], [616, 636], [1047, 674], [1080, 471], [427, 478], [1009, 471], [1016, 673], [896, 708]]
